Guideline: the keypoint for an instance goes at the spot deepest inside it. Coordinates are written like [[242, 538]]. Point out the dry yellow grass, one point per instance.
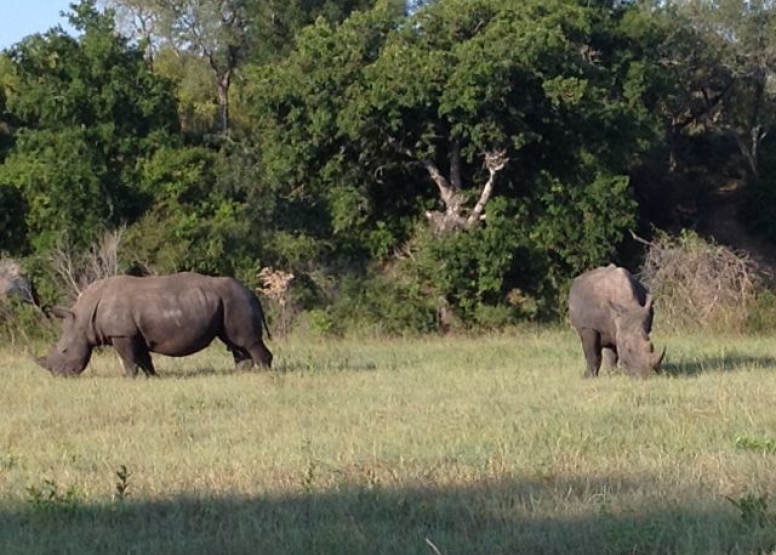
[[462, 445]]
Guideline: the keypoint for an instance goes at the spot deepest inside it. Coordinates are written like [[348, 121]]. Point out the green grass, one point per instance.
[[416, 446]]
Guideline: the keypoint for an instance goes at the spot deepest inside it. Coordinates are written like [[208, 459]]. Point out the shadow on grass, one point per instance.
[[730, 362], [506, 516]]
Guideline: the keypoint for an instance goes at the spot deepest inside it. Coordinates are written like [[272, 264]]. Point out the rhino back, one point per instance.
[[189, 305], [592, 292]]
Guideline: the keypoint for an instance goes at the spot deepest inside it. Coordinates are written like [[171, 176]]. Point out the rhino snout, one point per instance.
[[60, 365]]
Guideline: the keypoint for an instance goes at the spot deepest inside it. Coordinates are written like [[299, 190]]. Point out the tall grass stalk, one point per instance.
[[446, 445]]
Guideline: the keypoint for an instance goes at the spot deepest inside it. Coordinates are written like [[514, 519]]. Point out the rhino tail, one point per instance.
[[265, 324]]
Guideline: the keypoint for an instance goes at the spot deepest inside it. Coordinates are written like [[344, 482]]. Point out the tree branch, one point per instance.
[[495, 162], [455, 165]]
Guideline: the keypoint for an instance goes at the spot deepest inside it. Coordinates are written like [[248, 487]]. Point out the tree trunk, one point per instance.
[[224, 81], [453, 218]]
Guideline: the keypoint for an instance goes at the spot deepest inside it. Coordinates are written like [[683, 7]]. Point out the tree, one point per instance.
[[12, 207], [223, 33], [381, 121], [741, 36], [86, 110]]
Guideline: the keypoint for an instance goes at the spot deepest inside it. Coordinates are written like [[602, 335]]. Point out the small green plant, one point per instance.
[[122, 483], [754, 509], [762, 314], [320, 323], [766, 446], [8, 460], [21, 323], [48, 497]]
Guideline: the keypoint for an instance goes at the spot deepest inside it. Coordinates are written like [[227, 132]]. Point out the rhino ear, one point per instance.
[[648, 302], [62, 312]]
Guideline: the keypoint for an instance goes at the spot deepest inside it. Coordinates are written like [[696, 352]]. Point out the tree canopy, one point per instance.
[[405, 160]]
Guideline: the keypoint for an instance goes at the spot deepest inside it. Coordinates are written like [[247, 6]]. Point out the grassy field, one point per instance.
[[420, 446]]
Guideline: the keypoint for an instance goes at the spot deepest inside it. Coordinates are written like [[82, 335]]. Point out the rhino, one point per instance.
[[14, 284], [174, 315], [613, 312]]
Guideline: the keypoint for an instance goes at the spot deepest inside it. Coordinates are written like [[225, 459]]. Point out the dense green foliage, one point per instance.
[[407, 162]]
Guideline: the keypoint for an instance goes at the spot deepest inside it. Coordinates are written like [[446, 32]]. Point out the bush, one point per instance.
[[698, 284], [381, 305], [22, 323], [317, 323], [762, 314]]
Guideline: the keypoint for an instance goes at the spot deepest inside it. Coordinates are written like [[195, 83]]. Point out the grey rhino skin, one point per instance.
[[16, 286], [174, 315], [610, 309]]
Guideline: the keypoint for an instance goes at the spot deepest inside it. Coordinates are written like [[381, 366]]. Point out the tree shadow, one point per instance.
[[496, 516], [729, 362]]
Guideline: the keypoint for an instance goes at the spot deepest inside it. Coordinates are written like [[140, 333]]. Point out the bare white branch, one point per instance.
[[495, 161]]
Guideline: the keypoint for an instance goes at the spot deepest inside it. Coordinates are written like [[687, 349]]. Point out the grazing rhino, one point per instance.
[[612, 310], [174, 315], [14, 284]]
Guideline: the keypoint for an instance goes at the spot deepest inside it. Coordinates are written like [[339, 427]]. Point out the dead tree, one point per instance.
[[457, 216]]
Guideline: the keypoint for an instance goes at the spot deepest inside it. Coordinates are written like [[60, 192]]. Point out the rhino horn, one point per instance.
[[43, 363], [648, 302], [658, 359]]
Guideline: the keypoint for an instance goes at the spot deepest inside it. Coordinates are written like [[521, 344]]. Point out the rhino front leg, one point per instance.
[[591, 345], [610, 358], [147, 364], [134, 355]]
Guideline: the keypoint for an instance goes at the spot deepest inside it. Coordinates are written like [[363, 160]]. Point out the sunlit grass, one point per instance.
[[460, 444]]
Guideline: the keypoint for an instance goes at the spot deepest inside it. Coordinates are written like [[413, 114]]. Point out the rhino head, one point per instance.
[[634, 348], [72, 352]]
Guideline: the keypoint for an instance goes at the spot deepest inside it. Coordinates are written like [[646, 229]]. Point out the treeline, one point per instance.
[[414, 165]]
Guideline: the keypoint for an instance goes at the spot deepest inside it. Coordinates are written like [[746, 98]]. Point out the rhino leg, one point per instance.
[[242, 359], [610, 358], [591, 345], [261, 356], [245, 357], [134, 355]]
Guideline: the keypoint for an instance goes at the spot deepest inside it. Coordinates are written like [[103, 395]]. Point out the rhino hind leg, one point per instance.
[[246, 356], [134, 355], [242, 359], [261, 356], [591, 345]]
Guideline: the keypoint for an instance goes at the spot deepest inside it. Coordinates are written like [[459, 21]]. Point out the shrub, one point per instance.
[[698, 284], [381, 305], [762, 313], [275, 287], [21, 322], [317, 323], [21, 319], [75, 269]]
